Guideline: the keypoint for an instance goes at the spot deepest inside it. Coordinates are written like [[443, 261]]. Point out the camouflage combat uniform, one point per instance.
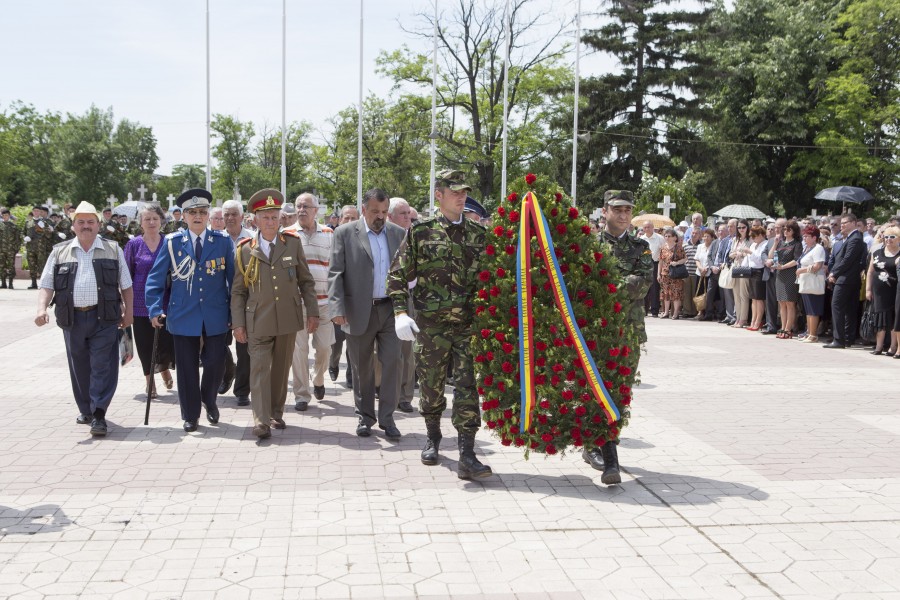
[[38, 247], [442, 257], [64, 227], [636, 274], [10, 242], [173, 226], [113, 231]]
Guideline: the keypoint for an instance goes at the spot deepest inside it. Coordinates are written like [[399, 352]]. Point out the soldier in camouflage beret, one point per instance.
[[440, 259], [635, 275]]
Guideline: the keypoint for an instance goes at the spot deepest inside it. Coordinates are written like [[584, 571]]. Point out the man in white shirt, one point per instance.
[[655, 241], [90, 286]]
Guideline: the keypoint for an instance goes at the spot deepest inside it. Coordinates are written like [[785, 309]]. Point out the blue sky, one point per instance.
[[146, 59]]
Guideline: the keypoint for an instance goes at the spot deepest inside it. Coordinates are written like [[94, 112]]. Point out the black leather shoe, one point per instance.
[[319, 391], [593, 457], [333, 373], [212, 414], [363, 430], [725, 320], [98, 427], [301, 405], [226, 384], [406, 407], [190, 426], [390, 431], [243, 400], [84, 419], [834, 345]]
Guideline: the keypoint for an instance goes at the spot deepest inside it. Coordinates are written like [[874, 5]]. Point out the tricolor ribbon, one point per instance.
[[531, 210]]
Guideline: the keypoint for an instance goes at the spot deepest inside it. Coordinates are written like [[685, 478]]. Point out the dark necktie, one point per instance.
[[198, 248]]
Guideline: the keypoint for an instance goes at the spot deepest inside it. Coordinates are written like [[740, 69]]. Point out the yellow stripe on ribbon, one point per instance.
[[564, 305]]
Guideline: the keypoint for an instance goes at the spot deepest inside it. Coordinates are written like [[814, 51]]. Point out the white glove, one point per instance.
[[110, 228], [27, 239], [61, 235], [406, 328]]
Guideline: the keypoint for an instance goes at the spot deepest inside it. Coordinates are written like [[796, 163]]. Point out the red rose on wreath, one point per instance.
[[573, 213], [530, 178], [512, 197]]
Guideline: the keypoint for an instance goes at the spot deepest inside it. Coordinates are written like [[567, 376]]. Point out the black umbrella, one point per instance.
[[844, 193]]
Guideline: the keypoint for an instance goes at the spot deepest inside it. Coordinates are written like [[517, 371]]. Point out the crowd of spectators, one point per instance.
[[831, 279]]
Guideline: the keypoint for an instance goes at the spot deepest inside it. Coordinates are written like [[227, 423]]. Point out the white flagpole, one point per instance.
[[507, 27], [208, 120], [433, 134], [283, 98], [359, 130], [575, 109]]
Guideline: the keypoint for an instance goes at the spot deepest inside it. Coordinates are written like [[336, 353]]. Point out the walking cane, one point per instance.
[[154, 358]]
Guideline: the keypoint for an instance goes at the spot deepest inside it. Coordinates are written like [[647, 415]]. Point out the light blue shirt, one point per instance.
[[382, 259]]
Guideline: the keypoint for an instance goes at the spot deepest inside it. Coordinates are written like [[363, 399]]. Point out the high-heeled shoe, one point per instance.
[[753, 329], [876, 352], [780, 334], [788, 335], [663, 315], [811, 339], [168, 382]]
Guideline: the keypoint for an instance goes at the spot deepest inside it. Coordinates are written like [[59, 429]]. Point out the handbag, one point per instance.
[[678, 271], [811, 283], [726, 281], [700, 296], [867, 329], [741, 272]]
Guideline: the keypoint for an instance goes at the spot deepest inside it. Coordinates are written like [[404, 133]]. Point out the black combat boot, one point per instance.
[[33, 285], [3, 283], [433, 443], [469, 467], [11, 281], [610, 464]]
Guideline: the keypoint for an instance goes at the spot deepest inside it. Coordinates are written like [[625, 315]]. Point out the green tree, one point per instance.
[[88, 156], [858, 116], [298, 150], [682, 192], [470, 90], [136, 148], [628, 111], [232, 152]]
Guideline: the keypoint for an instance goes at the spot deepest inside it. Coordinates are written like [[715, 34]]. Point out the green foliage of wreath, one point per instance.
[[565, 414]]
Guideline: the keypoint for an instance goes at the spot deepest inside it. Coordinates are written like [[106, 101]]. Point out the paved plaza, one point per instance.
[[754, 468]]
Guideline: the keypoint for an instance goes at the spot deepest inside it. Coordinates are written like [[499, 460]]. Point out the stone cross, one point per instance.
[[598, 212], [141, 191], [814, 213], [155, 201], [49, 204], [666, 205], [112, 201], [237, 192], [129, 196], [171, 199]]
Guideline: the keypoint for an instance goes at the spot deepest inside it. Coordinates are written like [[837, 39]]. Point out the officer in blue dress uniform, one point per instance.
[[200, 264]]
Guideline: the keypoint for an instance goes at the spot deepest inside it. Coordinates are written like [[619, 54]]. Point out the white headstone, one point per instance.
[[814, 213], [129, 196], [112, 201], [666, 205], [237, 192], [155, 201], [141, 191], [171, 199], [597, 214], [49, 204]]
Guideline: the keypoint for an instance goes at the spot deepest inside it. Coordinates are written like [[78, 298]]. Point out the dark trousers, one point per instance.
[[240, 371], [362, 358], [714, 299], [772, 305], [92, 349], [651, 300], [192, 390], [844, 312]]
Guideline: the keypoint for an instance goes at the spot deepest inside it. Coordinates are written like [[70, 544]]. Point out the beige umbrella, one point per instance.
[[659, 221]]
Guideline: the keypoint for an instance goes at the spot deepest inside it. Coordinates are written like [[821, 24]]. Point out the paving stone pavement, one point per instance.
[[755, 468]]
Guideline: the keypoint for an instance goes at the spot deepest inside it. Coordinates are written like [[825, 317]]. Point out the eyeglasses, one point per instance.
[[742, 227], [890, 237], [306, 207], [197, 211]]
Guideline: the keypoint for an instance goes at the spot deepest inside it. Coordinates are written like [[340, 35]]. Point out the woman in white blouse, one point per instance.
[[703, 260], [811, 279], [756, 260]]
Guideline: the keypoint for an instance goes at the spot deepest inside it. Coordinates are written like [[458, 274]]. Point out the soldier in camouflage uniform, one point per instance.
[[36, 229], [441, 257], [636, 274], [113, 231], [64, 227], [176, 224], [10, 242]]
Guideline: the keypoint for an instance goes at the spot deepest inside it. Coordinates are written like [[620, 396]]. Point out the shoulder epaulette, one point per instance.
[[216, 233], [243, 241], [327, 229], [291, 232]]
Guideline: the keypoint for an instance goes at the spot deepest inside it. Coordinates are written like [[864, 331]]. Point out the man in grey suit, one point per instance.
[[358, 302]]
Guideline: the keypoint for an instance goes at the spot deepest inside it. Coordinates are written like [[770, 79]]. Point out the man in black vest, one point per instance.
[[90, 287], [846, 278]]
